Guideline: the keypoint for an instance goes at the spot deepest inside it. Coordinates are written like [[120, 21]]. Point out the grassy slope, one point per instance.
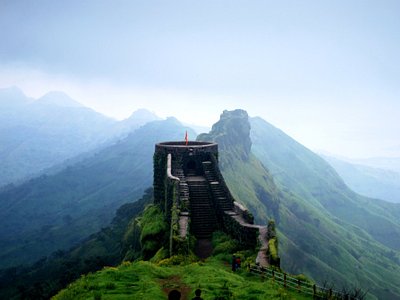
[[327, 224], [145, 280], [312, 239], [301, 171]]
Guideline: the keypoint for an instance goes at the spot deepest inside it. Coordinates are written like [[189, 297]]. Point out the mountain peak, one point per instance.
[[12, 90], [58, 98], [232, 130], [144, 114], [12, 96], [173, 120]]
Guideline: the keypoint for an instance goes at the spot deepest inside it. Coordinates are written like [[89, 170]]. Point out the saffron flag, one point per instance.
[[186, 138]]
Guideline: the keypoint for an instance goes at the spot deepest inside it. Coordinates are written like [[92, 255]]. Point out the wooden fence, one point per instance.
[[301, 286]]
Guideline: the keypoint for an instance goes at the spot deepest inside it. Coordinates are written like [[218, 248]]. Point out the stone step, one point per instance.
[[203, 218], [201, 207], [206, 213], [219, 194]]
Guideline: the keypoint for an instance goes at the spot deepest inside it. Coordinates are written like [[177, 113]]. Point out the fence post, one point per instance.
[[273, 275], [284, 280], [330, 293], [298, 285], [314, 290]]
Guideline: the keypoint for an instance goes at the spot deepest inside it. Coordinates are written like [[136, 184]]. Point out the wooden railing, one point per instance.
[[301, 286]]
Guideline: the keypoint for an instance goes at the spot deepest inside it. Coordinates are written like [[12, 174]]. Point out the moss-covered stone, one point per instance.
[[154, 231]]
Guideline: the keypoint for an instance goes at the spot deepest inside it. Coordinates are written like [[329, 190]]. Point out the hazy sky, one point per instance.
[[325, 72]]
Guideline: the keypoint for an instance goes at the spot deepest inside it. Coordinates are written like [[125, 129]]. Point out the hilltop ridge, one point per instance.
[[321, 224]]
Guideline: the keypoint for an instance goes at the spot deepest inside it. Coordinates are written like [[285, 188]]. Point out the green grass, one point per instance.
[[154, 230], [146, 280]]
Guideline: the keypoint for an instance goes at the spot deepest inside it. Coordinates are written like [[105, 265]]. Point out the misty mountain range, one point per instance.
[[38, 134], [326, 230], [381, 183]]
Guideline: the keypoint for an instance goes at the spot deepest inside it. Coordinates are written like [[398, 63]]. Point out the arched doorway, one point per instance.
[[191, 168]]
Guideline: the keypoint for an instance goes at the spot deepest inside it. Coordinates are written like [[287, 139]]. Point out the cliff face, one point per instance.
[[322, 225], [232, 133], [249, 181]]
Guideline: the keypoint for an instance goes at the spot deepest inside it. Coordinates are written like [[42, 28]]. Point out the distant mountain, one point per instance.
[[35, 135], [11, 98], [386, 163], [136, 120], [197, 128], [368, 181], [56, 211], [325, 230], [39, 134], [59, 99]]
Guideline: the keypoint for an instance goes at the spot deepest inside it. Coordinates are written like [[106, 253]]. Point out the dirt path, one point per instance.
[[175, 283], [262, 258]]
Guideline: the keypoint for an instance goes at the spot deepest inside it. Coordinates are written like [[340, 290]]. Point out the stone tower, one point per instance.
[[190, 189]]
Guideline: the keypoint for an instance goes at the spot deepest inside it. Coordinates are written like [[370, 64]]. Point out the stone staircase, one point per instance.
[[183, 186], [184, 200], [218, 192], [203, 217]]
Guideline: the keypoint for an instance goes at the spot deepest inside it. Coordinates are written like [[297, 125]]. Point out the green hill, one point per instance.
[[146, 280], [300, 171], [56, 211], [326, 231]]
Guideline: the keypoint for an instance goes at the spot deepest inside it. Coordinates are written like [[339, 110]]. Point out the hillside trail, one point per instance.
[[262, 258], [175, 283]]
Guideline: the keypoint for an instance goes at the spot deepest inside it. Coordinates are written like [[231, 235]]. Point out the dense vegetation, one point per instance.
[[56, 211], [108, 247], [154, 280]]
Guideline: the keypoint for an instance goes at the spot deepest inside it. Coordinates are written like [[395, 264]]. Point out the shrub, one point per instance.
[[152, 222], [226, 247], [96, 295], [110, 286], [178, 260], [160, 255], [154, 231], [273, 251]]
